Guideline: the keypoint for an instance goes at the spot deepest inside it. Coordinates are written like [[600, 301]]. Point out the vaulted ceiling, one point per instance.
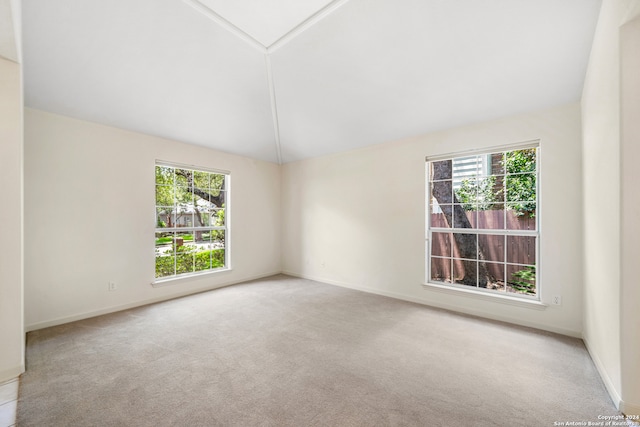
[[282, 80]]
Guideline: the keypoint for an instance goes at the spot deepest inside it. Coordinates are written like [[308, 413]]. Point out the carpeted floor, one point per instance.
[[284, 351]]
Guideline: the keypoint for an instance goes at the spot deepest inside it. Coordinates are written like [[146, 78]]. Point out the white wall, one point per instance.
[[89, 218], [630, 216], [11, 291], [358, 218], [603, 209], [601, 176]]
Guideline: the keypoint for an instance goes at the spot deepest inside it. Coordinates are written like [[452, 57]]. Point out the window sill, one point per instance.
[[178, 279], [501, 299]]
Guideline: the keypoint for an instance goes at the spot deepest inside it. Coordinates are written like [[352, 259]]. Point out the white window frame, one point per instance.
[[160, 281], [515, 298]]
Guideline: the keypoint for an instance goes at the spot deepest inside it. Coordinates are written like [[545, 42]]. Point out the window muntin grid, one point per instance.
[[482, 221], [191, 221]]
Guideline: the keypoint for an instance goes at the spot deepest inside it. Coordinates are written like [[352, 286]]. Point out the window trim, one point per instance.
[[532, 301], [479, 293], [169, 280]]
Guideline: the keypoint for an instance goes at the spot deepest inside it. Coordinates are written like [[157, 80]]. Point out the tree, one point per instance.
[[180, 190], [442, 190], [204, 186], [200, 196]]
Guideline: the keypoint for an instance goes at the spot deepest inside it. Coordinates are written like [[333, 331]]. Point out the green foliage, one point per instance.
[[179, 191], [164, 240], [517, 187], [205, 236], [220, 218], [186, 259], [520, 161], [524, 280], [520, 182], [168, 238], [477, 194]]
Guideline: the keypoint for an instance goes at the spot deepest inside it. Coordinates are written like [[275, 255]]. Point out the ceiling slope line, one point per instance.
[[305, 25], [226, 24], [286, 38], [274, 107]]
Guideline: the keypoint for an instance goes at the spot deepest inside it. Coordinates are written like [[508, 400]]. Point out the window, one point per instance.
[[482, 221], [191, 221]]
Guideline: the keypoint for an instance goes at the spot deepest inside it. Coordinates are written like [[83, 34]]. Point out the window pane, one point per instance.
[[522, 279], [521, 188], [202, 199], [185, 251], [202, 218], [495, 275], [217, 217], [217, 181], [492, 191], [438, 218], [165, 217], [442, 192], [184, 177], [212, 197], [184, 217], [441, 270], [165, 195], [466, 192], [201, 180], [492, 219], [164, 242], [441, 170], [520, 220], [165, 265], [201, 237], [218, 258], [441, 244], [496, 164], [164, 175], [465, 246], [203, 250], [165, 256], [465, 272], [217, 239], [182, 238], [464, 216], [466, 167], [183, 194], [519, 161], [220, 198], [521, 250], [492, 247]]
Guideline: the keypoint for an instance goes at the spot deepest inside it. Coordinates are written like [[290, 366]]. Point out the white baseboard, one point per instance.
[[11, 374], [613, 393], [430, 303], [629, 408], [139, 303]]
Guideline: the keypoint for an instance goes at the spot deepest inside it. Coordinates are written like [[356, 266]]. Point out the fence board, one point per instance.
[[519, 249]]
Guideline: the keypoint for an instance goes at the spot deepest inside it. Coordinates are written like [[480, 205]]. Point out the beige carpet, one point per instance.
[[290, 352]]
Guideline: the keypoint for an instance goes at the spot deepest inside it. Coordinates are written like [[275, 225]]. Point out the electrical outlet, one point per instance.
[[557, 300], [112, 286]]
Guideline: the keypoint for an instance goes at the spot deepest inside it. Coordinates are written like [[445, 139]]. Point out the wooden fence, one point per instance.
[[519, 249]]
